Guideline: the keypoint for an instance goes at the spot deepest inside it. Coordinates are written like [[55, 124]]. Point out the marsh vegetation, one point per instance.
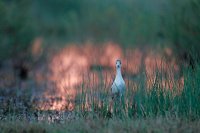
[[57, 65]]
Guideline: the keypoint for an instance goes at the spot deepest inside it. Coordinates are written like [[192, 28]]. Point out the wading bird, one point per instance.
[[118, 87]]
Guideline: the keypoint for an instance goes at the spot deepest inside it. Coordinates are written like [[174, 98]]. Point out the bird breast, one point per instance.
[[118, 85]]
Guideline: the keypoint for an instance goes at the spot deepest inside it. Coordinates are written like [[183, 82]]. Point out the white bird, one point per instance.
[[118, 87]]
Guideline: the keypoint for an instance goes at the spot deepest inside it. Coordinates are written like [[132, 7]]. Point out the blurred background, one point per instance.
[[36, 34], [128, 22]]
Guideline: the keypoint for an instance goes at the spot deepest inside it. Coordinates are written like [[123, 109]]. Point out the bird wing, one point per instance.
[[114, 88]]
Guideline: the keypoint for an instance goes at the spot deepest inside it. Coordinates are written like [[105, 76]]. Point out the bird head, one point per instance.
[[118, 63]]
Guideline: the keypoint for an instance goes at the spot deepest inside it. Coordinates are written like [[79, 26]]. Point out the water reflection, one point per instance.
[[92, 67]]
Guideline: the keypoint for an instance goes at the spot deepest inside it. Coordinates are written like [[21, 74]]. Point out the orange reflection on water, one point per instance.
[[93, 66], [109, 54], [133, 60]]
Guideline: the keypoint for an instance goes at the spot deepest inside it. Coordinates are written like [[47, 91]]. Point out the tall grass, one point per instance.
[[146, 103], [139, 101], [155, 109]]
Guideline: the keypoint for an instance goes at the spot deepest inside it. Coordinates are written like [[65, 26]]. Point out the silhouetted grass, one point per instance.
[[155, 109], [154, 102]]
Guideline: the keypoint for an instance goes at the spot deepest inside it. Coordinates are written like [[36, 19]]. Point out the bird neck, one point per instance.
[[118, 72]]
